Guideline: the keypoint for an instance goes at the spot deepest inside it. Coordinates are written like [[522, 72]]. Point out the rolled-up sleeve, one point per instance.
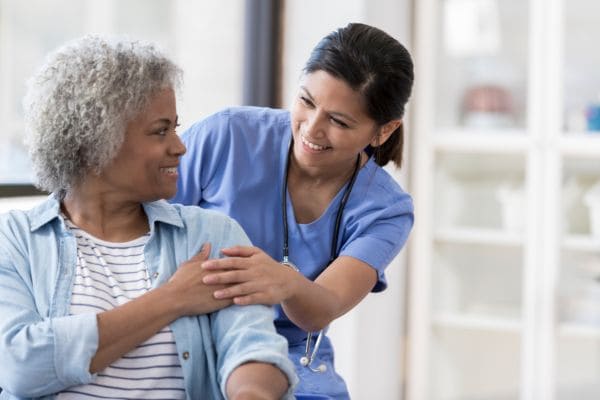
[[244, 334], [40, 355]]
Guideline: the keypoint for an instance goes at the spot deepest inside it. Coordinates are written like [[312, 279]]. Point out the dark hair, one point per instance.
[[378, 67]]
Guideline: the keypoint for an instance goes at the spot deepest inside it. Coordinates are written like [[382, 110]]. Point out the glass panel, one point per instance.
[[474, 365], [483, 191], [478, 281], [477, 275], [482, 64], [581, 66], [578, 294]]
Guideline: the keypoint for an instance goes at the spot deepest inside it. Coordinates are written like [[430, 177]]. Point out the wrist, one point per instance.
[[290, 264], [167, 295]]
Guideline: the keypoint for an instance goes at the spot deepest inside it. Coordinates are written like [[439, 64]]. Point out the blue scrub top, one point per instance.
[[235, 163]]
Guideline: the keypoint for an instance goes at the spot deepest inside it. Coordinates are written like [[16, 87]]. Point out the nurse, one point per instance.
[[308, 187]]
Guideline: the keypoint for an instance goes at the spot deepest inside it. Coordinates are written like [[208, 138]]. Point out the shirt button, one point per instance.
[[186, 355], [155, 275]]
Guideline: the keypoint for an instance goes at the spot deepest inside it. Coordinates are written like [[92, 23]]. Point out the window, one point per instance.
[[203, 38]]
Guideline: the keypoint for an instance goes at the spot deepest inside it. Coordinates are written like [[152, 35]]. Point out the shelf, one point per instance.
[[506, 253], [496, 141], [580, 144], [477, 322], [582, 243], [573, 329], [480, 236]]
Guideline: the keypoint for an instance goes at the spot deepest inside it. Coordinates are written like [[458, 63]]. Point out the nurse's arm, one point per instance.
[[255, 278], [339, 288]]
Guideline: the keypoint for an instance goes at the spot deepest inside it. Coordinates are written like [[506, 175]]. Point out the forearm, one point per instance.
[[339, 288], [312, 306], [256, 381], [124, 327]]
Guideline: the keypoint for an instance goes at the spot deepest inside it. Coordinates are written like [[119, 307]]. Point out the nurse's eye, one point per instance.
[[306, 101], [339, 123]]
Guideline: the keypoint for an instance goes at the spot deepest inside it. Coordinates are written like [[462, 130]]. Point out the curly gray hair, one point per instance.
[[78, 105]]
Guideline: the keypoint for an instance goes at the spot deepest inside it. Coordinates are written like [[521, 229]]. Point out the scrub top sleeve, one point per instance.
[[205, 143], [56, 351], [381, 239]]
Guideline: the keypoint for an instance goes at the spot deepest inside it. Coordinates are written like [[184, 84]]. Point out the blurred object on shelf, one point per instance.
[[487, 106], [592, 115], [513, 207], [574, 215], [471, 27], [576, 120], [592, 201], [579, 292]]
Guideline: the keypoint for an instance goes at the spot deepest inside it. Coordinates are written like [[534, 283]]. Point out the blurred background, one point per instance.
[[497, 295]]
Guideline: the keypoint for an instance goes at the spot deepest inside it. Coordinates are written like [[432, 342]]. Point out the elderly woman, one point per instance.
[[101, 292]]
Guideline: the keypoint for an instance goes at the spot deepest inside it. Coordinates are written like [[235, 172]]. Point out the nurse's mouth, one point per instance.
[[313, 146]]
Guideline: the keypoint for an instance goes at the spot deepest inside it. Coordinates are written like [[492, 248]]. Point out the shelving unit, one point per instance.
[[505, 255]]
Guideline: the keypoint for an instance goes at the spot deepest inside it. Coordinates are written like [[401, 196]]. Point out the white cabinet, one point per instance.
[[505, 159]]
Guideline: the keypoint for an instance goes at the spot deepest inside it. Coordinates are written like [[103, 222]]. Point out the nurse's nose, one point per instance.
[[315, 125]]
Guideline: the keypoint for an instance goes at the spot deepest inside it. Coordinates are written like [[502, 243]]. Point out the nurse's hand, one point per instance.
[[254, 277], [189, 289]]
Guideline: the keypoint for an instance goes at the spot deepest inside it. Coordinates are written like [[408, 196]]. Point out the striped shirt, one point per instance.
[[108, 275]]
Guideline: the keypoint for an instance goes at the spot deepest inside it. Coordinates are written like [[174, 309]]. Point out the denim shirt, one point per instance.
[[44, 350]]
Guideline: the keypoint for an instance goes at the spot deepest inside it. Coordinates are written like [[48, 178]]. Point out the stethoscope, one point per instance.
[[309, 356]]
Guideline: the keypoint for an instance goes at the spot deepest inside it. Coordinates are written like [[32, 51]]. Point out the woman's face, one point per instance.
[[329, 124], [145, 167]]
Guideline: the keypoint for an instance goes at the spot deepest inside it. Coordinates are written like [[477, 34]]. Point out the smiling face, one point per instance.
[[329, 124], [145, 167]]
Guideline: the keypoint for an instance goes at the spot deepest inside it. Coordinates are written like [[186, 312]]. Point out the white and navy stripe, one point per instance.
[[108, 275]]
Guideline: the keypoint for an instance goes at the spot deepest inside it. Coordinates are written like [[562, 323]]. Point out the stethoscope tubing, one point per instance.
[[309, 356]]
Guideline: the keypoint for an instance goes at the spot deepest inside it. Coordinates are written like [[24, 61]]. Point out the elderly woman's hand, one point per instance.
[[194, 296]]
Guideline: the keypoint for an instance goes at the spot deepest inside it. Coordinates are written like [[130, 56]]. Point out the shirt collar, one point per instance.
[[157, 211]]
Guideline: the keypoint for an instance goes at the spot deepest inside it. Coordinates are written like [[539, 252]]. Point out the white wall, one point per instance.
[[368, 340]]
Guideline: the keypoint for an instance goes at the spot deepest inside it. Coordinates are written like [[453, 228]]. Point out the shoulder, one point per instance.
[[255, 115], [239, 119], [238, 131], [199, 222], [14, 226], [194, 214], [32, 219], [23, 230], [180, 215], [381, 190]]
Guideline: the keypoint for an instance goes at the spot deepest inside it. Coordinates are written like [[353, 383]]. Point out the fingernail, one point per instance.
[[218, 294]]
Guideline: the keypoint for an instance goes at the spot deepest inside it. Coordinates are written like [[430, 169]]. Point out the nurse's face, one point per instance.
[[145, 167], [329, 124]]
